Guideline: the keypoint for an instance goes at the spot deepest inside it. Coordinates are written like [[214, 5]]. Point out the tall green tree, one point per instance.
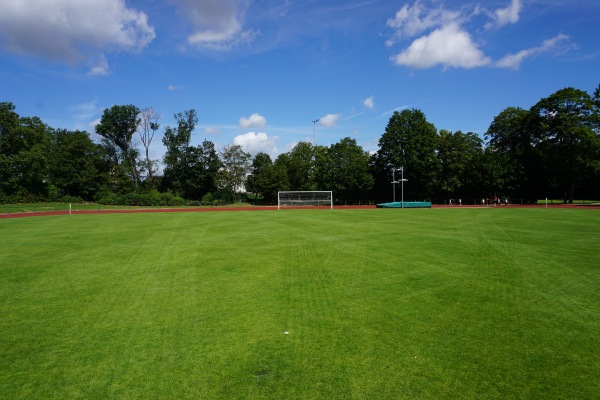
[[235, 167], [410, 141], [513, 137], [202, 170], [569, 125], [24, 149], [179, 156], [460, 156], [302, 167], [77, 164], [348, 174], [117, 126], [268, 177], [9, 148], [260, 163]]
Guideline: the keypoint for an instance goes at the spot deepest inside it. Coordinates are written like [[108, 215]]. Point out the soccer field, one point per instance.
[[486, 303]]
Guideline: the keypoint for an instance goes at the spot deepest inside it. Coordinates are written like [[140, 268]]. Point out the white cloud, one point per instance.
[[329, 119], [85, 115], [218, 24], [369, 102], [85, 110], [254, 143], [72, 30], [92, 125], [211, 130], [445, 42], [412, 21], [558, 45], [449, 45], [505, 16], [390, 112], [174, 88], [254, 121], [100, 69]]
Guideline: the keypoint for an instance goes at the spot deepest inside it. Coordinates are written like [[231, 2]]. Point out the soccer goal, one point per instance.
[[305, 199]]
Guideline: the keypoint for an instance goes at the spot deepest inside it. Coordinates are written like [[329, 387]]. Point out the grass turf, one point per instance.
[[428, 304]]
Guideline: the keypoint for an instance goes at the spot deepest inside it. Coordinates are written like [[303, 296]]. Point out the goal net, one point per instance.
[[305, 199]]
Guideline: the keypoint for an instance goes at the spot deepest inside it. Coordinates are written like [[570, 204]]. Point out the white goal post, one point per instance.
[[316, 198]]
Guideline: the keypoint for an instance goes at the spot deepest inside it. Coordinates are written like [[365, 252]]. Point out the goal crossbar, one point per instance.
[[314, 198]]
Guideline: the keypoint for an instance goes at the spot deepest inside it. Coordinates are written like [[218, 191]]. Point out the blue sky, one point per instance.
[[259, 72]]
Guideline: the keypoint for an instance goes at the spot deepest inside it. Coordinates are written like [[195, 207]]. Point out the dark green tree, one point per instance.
[[24, 149], [77, 164], [460, 156], [10, 146], [268, 177], [409, 141], [513, 137], [179, 157], [202, 170], [273, 180], [117, 126], [348, 174], [235, 167], [301, 167], [260, 163], [568, 123]]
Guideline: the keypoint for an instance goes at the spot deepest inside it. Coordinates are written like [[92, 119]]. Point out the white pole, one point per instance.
[[394, 183], [546, 202], [402, 186], [69, 208]]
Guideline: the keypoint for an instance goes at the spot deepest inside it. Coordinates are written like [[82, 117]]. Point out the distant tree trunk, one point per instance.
[[146, 129]]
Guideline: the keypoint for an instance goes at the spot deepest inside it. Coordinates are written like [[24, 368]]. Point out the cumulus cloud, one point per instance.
[[369, 102], [218, 24], [329, 119], [72, 30], [411, 21], [442, 41], [557, 45], [505, 16], [439, 36], [92, 125], [254, 121], [254, 143], [449, 46]]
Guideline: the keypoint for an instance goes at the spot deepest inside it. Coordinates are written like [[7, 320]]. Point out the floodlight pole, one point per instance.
[[315, 131], [394, 183], [402, 169]]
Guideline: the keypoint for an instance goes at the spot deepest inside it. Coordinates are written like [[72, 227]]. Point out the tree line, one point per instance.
[[550, 150]]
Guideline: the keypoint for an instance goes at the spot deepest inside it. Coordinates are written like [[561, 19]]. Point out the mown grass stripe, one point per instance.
[[478, 303]]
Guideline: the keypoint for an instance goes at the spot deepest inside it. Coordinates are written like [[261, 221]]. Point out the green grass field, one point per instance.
[[487, 303], [28, 208]]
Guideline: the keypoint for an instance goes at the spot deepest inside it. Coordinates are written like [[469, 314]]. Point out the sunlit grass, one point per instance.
[[377, 304]]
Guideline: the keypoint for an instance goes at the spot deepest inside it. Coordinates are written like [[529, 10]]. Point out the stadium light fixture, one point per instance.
[[394, 181], [402, 180]]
